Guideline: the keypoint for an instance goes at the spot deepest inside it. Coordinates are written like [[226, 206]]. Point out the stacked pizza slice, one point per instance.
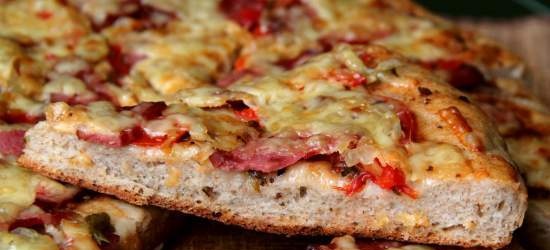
[[40, 64], [369, 118]]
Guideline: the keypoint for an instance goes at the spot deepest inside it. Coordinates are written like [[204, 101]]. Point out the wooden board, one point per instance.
[[529, 38]]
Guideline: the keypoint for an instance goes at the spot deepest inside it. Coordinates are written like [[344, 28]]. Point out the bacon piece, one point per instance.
[[123, 138], [95, 83], [32, 222], [260, 17], [89, 77], [460, 74], [246, 13], [271, 154], [17, 116], [391, 178], [131, 136], [35, 217], [142, 139], [407, 120], [461, 128], [12, 142], [150, 110], [107, 140], [122, 62], [32, 217]]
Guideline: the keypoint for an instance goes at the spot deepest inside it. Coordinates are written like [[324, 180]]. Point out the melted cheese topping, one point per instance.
[[77, 235], [30, 20], [128, 220], [439, 160], [66, 85], [528, 153], [313, 174], [97, 117], [306, 101], [10, 53], [187, 55], [26, 239], [17, 191], [344, 243]]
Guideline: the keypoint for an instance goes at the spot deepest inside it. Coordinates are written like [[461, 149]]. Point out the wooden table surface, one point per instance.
[[529, 38]]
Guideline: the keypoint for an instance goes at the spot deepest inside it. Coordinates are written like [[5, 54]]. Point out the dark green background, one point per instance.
[[488, 8]]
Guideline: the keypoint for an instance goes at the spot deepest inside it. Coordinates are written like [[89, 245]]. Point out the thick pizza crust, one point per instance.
[[447, 212]]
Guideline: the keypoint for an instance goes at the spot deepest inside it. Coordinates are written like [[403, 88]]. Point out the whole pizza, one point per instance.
[[363, 117]]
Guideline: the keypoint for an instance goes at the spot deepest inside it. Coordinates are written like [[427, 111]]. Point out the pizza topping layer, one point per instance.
[[390, 178], [348, 107]]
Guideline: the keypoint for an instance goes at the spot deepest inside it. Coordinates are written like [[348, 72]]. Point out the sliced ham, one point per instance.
[[12, 142], [17, 116], [149, 110], [245, 13], [132, 136], [121, 61], [274, 153]]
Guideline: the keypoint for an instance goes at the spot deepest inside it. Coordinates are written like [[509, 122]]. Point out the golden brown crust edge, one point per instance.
[[136, 196]]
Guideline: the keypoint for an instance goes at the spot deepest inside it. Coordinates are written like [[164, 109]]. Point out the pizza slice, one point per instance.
[[491, 76], [39, 65], [40, 213], [345, 143]]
